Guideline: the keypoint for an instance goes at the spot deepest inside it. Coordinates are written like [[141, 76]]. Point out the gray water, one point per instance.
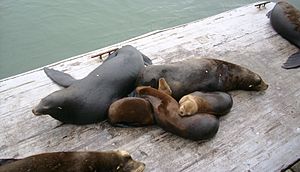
[[34, 33]]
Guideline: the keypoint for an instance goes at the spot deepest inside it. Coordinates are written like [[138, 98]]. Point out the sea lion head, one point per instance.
[[51, 104], [149, 77], [59, 106], [188, 105], [128, 164], [252, 82]]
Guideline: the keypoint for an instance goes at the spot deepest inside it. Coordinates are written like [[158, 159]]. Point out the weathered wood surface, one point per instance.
[[261, 133]]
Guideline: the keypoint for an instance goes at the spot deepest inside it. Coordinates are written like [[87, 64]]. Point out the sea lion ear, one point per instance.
[[59, 78]]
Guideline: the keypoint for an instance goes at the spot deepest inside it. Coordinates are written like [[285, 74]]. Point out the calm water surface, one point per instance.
[[34, 33]]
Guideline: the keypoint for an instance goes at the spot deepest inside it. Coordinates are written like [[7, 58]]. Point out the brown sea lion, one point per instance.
[[115, 161], [166, 113], [131, 111], [134, 111], [216, 103], [204, 74]]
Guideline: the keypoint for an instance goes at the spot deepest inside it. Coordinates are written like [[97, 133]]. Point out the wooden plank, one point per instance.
[[261, 133]]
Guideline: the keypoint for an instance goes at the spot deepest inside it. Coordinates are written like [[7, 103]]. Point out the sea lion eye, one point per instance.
[[250, 86]]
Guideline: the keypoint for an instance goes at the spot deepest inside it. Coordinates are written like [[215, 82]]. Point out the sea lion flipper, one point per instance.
[[147, 60], [164, 86], [59, 77], [292, 62]]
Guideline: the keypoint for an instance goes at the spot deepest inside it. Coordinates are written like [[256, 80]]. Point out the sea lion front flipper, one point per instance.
[[59, 77], [292, 62], [147, 60]]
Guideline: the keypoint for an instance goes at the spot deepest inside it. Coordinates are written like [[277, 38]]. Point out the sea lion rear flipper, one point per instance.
[[147, 60], [292, 62], [59, 77]]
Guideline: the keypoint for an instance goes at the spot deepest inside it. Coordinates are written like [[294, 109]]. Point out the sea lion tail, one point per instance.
[[292, 62], [59, 77]]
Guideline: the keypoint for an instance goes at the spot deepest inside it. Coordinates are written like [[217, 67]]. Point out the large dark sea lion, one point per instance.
[[114, 161], [285, 19], [87, 100], [216, 103], [187, 76]]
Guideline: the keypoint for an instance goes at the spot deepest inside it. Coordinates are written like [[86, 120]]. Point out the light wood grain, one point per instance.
[[261, 133]]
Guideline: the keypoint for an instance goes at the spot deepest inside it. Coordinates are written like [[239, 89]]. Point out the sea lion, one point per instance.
[[87, 100], [285, 20], [204, 74], [134, 111], [118, 161], [216, 103], [131, 111], [166, 113]]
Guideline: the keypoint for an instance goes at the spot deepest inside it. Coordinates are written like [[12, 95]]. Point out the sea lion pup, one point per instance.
[[118, 161], [206, 75], [285, 20], [166, 113], [131, 111], [87, 100], [215, 103], [134, 111]]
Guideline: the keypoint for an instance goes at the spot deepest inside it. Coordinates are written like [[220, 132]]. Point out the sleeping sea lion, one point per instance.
[[115, 161], [131, 111], [187, 76], [87, 100], [166, 112], [285, 19], [134, 111], [216, 103]]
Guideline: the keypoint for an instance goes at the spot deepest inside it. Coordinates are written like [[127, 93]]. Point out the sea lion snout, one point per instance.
[[38, 110], [262, 86], [35, 112], [130, 165], [134, 166]]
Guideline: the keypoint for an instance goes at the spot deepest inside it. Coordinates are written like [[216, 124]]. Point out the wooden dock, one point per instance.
[[261, 133]]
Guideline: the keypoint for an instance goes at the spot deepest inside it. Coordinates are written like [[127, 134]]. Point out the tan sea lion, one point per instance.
[[115, 161], [187, 76], [216, 103]]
